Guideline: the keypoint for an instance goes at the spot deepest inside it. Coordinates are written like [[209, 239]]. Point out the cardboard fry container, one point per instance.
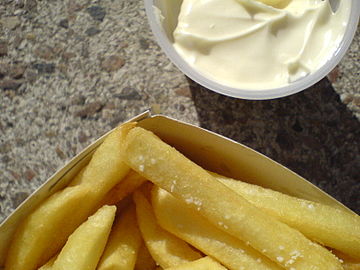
[[209, 150]]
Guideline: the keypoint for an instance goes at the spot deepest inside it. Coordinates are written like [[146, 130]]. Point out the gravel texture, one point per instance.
[[71, 70]]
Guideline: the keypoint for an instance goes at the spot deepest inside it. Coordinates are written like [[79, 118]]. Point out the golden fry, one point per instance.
[[170, 170], [42, 234], [205, 263], [166, 249], [127, 186], [190, 226], [124, 243], [44, 231], [324, 224], [106, 167], [84, 247]]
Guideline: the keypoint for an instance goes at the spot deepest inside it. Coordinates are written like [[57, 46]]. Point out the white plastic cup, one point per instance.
[[163, 19]]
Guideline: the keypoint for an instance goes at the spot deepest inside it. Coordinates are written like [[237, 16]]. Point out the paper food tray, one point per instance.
[[210, 150]]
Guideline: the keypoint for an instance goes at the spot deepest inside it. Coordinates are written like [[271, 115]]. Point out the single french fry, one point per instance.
[[190, 226], [127, 186], [324, 224], [42, 234], [166, 249], [124, 243], [144, 261], [206, 263], [106, 167], [49, 264], [44, 231], [166, 167], [85, 245]]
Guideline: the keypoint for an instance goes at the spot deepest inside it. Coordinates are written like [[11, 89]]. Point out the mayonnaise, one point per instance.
[[247, 44]]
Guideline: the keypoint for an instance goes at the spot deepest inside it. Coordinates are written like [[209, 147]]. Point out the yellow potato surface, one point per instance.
[[106, 167], [44, 231], [127, 186], [205, 263], [170, 170], [85, 246], [166, 249], [329, 226], [42, 234], [189, 225], [124, 243]]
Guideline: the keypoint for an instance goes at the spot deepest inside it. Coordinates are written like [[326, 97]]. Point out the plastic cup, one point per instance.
[[162, 16]]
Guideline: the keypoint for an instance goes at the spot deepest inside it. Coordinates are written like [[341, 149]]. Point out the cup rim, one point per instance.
[[272, 93]]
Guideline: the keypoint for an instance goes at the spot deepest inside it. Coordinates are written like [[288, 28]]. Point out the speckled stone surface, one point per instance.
[[71, 70]]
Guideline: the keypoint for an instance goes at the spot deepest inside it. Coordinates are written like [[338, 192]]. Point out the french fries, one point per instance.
[[44, 231], [205, 263], [166, 249], [187, 224], [170, 170], [86, 244], [324, 224], [127, 186], [42, 234], [172, 214], [106, 167], [124, 243]]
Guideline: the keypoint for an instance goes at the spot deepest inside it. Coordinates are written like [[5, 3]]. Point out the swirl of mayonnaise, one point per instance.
[[248, 44]]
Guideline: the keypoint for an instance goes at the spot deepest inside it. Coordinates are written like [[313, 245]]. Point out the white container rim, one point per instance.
[[273, 93]]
